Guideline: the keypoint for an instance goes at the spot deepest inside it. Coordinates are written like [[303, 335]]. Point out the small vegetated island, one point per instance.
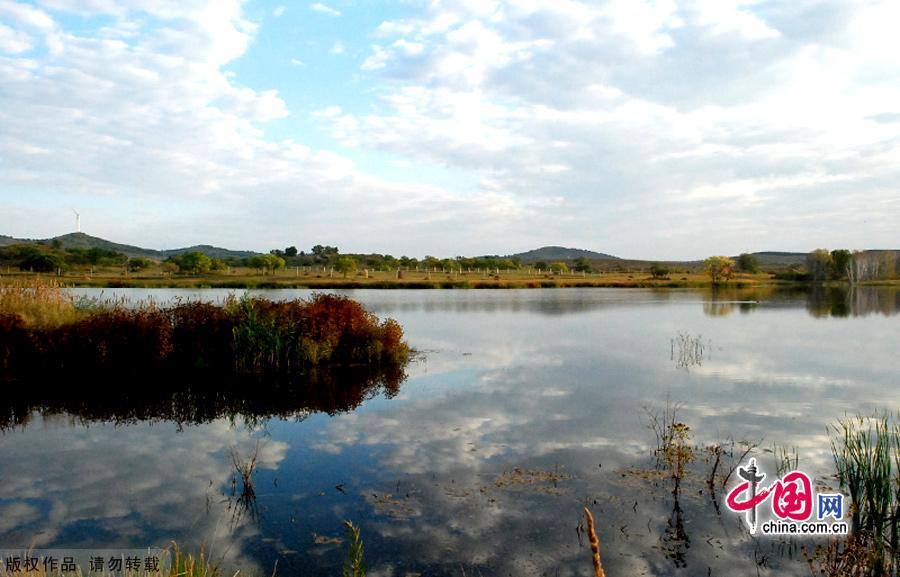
[[44, 331]]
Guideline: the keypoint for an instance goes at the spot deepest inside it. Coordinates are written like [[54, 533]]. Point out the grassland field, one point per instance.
[[316, 277]]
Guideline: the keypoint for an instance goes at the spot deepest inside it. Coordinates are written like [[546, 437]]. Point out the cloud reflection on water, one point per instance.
[[556, 385]]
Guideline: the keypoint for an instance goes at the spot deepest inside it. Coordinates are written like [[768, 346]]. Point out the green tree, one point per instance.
[[719, 268], [138, 264], [559, 267], [256, 261], [290, 251], [273, 262], [658, 270], [819, 264], [748, 263], [345, 265], [841, 260], [41, 262], [218, 264], [582, 264], [266, 262], [431, 262], [324, 253], [193, 262]]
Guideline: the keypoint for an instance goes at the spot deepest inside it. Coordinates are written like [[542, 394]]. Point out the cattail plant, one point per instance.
[[595, 544]]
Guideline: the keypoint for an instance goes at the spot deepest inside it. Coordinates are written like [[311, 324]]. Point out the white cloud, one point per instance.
[[14, 41], [697, 123], [324, 9], [150, 133], [26, 15], [729, 110], [278, 12]]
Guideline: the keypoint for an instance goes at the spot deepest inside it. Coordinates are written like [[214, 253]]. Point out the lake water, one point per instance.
[[523, 407]]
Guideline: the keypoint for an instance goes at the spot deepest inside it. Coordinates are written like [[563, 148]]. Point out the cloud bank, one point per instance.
[[655, 129]]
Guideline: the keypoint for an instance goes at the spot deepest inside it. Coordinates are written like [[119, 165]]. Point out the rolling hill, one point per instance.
[[560, 253], [86, 241]]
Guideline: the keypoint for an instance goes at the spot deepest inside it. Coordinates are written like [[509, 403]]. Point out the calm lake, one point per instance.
[[522, 408]]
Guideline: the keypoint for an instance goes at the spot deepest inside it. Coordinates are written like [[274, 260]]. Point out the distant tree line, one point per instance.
[[52, 257], [856, 266], [820, 265]]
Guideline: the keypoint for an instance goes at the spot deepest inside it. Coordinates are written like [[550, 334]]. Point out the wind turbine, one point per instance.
[[77, 221]]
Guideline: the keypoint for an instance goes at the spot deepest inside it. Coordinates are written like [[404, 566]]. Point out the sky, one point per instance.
[[656, 129]]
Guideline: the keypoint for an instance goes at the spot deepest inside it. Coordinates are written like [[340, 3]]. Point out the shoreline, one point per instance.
[[446, 282]]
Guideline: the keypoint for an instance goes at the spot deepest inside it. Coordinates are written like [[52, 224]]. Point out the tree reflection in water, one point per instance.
[[198, 398]]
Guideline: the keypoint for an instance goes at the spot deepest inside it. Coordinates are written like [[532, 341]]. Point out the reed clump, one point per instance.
[[241, 336], [866, 451], [866, 454], [37, 302], [187, 565]]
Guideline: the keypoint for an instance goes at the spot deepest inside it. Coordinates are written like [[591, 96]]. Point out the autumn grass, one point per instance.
[[37, 302], [42, 330], [513, 279]]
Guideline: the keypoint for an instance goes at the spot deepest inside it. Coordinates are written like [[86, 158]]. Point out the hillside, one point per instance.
[[560, 253], [779, 259], [211, 251], [86, 241]]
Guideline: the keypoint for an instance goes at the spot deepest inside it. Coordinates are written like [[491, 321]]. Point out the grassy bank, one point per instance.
[[512, 279], [44, 329]]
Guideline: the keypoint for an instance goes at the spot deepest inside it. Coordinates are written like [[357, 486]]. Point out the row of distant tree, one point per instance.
[[44, 258], [854, 266], [820, 264]]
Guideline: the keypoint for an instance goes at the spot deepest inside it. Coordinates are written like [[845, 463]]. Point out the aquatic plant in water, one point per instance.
[[354, 566], [244, 336], [688, 350], [866, 453]]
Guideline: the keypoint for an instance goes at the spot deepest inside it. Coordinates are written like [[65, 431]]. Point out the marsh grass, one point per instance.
[[688, 350], [673, 439], [354, 566], [866, 454], [786, 459], [244, 469], [42, 330], [187, 565], [37, 302], [244, 503]]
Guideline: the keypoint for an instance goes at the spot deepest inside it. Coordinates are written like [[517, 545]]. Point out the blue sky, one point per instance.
[[659, 129]]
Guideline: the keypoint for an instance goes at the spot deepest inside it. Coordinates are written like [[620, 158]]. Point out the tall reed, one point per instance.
[[38, 302], [866, 454]]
